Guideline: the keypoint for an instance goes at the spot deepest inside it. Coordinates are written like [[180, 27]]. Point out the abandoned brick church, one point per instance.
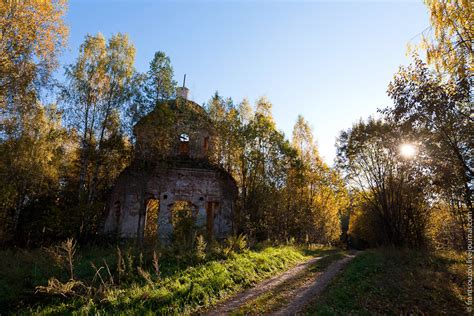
[[172, 171]]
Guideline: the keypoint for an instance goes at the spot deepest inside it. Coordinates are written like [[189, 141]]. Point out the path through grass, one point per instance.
[[278, 297]]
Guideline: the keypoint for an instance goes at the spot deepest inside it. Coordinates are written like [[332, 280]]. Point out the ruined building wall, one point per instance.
[[159, 134], [207, 190], [171, 165]]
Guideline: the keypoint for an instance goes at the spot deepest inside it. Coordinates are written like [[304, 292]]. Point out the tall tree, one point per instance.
[[450, 46], [266, 158], [303, 140], [98, 92], [151, 88], [160, 83], [31, 162], [32, 34], [316, 193], [394, 190], [437, 112]]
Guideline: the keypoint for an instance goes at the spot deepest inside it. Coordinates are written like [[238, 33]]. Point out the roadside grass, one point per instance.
[[22, 270], [188, 290], [278, 297], [181, 286], [397, 282]]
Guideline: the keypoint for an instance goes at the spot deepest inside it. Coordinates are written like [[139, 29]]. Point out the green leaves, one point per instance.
[[160, 85]]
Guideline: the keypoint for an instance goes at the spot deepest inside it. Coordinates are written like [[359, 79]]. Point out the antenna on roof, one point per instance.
[[182, 92]]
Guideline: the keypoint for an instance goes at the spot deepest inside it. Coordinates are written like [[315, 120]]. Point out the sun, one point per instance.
[[407, 150]]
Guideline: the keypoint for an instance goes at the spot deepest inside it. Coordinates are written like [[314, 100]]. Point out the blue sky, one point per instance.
[[330, 61]]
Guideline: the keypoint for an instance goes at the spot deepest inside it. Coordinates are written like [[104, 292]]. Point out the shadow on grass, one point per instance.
[[319, 252], [393, 282], [325, 262]]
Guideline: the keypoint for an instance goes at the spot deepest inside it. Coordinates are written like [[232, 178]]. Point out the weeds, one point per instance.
[[156, 266], [63, 255], [146, 276], [121, 278], [56, 287], [184, 291], [235, 244], [200, 248]]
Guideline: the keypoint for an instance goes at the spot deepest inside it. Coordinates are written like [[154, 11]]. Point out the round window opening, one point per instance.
[[184, 138]]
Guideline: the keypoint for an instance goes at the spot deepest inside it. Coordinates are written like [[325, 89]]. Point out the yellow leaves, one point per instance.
[[33, 27], [450, 47], [121, 56], [264, 108], [101, 73], [32, 33]]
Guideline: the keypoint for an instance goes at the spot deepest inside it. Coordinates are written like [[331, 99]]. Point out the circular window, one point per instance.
[[184, 138]]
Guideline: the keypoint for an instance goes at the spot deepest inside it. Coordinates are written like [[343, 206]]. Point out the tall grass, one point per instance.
[[187, 290]]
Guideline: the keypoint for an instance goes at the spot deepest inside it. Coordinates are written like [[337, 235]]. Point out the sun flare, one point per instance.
[[408, 150]]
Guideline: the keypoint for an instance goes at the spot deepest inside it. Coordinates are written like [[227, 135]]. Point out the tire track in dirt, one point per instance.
[[309, 290], [240, 299]]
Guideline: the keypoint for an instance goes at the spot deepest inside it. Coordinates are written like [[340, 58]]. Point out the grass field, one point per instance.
[[180, 286], [397, 282], [379, 281]]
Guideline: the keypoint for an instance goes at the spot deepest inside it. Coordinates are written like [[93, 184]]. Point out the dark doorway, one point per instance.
[[211, 211], [183, 219]]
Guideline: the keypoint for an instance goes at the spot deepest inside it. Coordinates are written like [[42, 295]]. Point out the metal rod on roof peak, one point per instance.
[[184, 81]]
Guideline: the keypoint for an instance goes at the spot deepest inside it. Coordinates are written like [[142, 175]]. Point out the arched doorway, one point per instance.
[[183, 220], [152, 207], [117, 213], [211, 212]]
